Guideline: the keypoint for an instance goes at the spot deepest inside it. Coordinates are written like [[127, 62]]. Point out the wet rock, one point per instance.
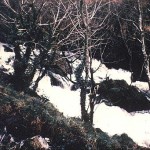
[[119, 93]]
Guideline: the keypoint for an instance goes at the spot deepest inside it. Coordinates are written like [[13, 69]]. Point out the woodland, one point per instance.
[[48, 36]]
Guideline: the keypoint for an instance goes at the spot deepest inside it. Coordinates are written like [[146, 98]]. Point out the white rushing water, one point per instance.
[[6, 59], [110, 119]]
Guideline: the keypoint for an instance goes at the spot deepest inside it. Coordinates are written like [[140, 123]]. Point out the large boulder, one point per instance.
[[119, 93]]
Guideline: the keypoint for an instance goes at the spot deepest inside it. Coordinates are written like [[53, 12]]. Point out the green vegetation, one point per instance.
[[25, 116]]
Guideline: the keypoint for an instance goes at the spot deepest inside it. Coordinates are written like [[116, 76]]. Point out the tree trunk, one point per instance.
[[84, 114], [92, 94], [85, 60], [38, 79], [21, 81], [143, 46]]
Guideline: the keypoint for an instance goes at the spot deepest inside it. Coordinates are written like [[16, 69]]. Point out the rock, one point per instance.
[[35, 143], [7, 48], [119, 93]]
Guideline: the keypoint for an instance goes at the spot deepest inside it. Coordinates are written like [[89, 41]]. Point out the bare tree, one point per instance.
[[133, 17], [37, 30], [146, 65], [90, 21]]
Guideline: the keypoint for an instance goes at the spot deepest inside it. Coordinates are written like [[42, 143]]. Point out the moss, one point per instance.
[[26, 116]]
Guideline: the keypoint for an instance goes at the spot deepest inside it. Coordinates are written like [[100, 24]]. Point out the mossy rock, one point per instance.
[[116, 142], [119, 93]]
